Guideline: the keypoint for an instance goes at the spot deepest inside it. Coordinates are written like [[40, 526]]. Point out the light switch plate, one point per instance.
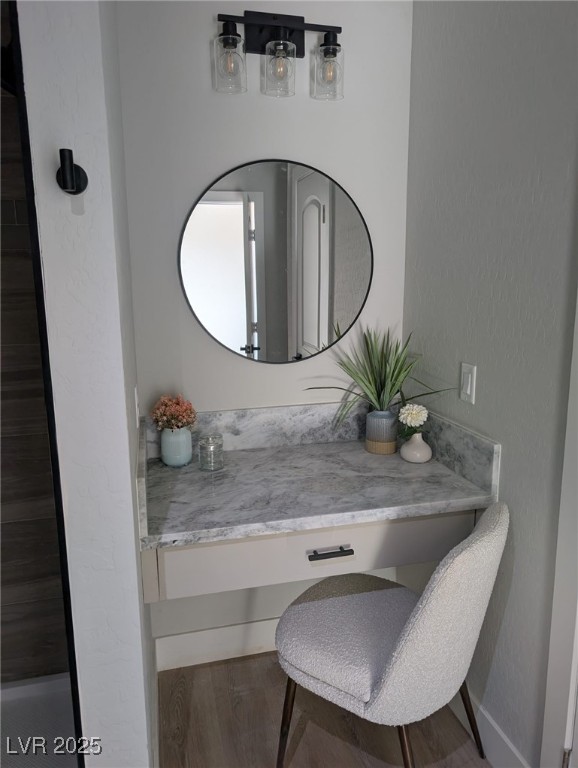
[[468, 383]]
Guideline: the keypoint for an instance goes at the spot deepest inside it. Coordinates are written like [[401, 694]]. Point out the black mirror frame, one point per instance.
[[188, 216]]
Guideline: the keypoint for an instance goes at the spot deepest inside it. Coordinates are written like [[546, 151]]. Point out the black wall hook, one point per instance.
[[70, 178]]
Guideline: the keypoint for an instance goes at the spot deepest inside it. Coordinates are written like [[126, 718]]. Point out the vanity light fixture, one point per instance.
[[231, 72], [280, 65], [281, 39], [328, 70]]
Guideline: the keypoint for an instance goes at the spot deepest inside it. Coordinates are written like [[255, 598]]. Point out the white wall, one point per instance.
[[180, 135], [560, 722], [491, 280], [71, 83]]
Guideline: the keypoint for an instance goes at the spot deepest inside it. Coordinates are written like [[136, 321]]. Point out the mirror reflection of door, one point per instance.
[[305, 282], [309, 263], [220, 257]]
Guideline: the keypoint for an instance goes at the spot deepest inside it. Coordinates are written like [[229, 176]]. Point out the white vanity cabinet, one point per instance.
[[258, 521], [224, 553], [275, 559]]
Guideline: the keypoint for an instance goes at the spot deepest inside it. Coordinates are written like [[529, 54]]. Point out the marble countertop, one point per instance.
[[264, 491]]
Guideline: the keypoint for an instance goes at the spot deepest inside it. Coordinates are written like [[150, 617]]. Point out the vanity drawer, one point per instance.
[[261, 560]]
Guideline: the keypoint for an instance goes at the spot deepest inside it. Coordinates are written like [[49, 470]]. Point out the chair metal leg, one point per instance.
[[403, 733], [286, 720], [464, 693]]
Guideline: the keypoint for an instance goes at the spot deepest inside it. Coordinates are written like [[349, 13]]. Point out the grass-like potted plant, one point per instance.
[[379, 367]]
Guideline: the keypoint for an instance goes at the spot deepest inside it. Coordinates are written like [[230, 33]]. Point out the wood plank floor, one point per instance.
[[227, 715]]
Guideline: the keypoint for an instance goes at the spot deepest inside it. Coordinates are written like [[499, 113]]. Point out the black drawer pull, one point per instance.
[[341, 552]]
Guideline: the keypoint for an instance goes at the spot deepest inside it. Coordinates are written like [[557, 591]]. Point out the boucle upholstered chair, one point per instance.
[[384, 653]]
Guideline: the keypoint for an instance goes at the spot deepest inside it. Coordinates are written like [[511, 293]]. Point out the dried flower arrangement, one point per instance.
[[173, 413]]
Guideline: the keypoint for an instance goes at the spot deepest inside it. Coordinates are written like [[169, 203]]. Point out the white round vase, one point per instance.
[[415, 450], [176, 447]]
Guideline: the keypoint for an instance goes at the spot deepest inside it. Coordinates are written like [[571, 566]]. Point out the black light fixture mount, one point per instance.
[[262, 28]]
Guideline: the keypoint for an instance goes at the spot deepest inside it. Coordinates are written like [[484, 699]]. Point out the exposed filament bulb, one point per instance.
[[280, 66], [230, 72], [230, 63], [231, 66], [330, 71]]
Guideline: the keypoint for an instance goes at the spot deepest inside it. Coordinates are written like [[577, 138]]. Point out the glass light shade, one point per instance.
[[231, 72], [280, 68], [328, 73]]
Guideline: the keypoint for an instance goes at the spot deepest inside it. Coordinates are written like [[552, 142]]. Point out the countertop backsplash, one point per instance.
[[467, 453], [473, 456], [270, 427]]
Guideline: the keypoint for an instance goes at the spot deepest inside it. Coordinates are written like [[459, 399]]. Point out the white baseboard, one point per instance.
[[215, 644], [500, 752]]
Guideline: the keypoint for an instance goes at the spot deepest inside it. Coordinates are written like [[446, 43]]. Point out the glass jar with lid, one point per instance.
[[211, 452]]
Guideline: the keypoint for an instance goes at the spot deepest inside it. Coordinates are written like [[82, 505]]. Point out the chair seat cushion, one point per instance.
[[341, 631]]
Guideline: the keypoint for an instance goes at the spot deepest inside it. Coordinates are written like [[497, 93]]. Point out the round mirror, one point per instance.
[[275, 261]]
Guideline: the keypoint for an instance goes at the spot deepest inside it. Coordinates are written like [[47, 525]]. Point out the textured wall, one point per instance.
[[111, 82], [85, 281], [180, 135], [491, 280]]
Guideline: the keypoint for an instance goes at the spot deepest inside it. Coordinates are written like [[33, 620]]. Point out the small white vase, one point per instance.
[[176, 447], [415, 450]]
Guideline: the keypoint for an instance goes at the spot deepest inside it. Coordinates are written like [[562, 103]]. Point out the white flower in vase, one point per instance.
[[413, 417]]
